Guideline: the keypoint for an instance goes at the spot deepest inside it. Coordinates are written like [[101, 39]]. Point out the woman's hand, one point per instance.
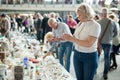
[[67, 37], [54, 39]]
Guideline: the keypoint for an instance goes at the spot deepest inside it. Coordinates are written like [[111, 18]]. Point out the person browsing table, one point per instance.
[[85, 39], [65, 47]]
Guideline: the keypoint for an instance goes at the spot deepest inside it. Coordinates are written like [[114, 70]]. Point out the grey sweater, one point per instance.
[[110, 32]]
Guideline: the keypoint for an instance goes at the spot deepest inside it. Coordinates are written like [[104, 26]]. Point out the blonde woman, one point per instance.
[[85, 39]]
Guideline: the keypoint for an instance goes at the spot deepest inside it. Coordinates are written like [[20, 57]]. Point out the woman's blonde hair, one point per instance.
[[86, 10]]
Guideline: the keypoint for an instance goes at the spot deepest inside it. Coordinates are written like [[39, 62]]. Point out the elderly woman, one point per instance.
[[85, 39], [116, 42]]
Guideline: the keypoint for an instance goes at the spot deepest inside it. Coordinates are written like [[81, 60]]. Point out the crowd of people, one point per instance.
[[78, 35]]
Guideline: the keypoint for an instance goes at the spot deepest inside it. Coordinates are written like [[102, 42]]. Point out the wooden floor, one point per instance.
[[112, 75]]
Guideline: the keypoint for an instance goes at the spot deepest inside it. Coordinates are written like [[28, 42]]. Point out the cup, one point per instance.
[[41, 49]]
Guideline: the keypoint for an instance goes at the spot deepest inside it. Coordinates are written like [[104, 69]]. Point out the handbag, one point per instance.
[[99, 47]]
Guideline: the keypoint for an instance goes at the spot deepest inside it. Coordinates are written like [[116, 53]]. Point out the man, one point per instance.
[[37, 25], [66, 47], [5, 26], [45, 26], [106, 41]]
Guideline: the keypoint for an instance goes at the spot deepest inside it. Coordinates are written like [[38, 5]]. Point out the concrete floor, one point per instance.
[[112, 75]]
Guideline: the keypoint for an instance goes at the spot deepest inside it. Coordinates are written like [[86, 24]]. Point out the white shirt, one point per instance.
[[62, 28], [83, 31]]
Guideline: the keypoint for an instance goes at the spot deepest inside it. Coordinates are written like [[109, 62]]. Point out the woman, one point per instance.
[[85, 39], [71, 23], [115, 45]]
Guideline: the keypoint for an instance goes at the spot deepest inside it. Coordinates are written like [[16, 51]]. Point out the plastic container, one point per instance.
[[25, 61]]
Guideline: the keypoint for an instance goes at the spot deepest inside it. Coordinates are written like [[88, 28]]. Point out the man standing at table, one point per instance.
[[66, 47]]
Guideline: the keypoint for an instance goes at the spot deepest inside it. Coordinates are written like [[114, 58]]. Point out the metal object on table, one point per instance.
[[18, 73]]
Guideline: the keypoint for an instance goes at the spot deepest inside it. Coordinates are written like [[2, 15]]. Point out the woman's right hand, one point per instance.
[[67, 36]]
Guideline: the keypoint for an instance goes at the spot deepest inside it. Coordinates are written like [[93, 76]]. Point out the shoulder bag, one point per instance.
[[99, 47]]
